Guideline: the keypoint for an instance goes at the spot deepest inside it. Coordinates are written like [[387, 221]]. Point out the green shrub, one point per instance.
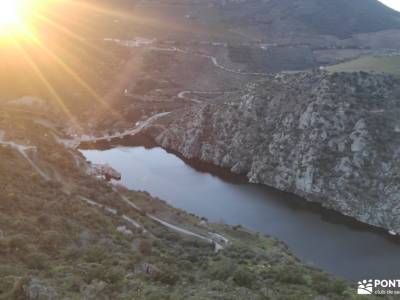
[[43, 220], [3, 246], [72, 253], [18, 244], [290, 275], [145, 247], [114, 275], [186, 265], [95, 272], [221, 270], [339, 286], [111, 275], [158, 295], [95, 254], [325, 285], [6, 285], [167, 275], [37, 261], [244, 277], [51, 241]]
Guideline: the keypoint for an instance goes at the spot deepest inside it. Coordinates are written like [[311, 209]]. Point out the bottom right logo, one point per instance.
[[378, 287], [365, 287]]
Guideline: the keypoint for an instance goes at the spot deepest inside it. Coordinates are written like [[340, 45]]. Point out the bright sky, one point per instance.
[[395, 4]]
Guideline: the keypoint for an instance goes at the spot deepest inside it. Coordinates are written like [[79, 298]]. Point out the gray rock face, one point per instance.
[[331, 138]]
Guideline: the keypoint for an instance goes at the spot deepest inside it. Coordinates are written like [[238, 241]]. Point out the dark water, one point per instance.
[[319, 237]]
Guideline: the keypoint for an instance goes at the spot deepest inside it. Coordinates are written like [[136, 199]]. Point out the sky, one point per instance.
[[395, 4]]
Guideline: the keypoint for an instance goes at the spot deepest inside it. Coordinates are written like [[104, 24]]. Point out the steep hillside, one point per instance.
[[341, 18], [331, 138]]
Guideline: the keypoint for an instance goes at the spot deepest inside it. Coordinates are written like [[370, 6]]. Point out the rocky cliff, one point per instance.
[[331, 138]]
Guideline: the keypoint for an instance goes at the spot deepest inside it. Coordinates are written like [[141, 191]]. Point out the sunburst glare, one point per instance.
[[10, 16], [44, 43]]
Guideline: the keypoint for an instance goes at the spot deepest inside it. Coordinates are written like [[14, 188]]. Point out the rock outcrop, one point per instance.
[[331, 138]]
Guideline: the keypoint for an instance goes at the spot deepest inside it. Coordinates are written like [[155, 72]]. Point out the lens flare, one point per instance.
[[16, 16], [10, 15]]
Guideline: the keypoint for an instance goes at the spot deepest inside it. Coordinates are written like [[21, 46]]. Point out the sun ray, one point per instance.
[[69, 70], [48, 86], [75, 76], [25, 15], [108, 10]]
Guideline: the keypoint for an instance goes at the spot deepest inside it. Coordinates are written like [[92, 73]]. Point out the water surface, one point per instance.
[[317, 236]]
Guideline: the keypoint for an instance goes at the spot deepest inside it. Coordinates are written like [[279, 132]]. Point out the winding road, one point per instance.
[[22, 150], [129, 132], [113, 212], [184, 95], [148, 44], [214, 239]]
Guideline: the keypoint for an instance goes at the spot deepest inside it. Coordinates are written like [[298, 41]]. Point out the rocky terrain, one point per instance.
[[331, 138]]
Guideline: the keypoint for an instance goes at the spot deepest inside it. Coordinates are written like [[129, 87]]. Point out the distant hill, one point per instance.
[[377, 64], [339, 18]]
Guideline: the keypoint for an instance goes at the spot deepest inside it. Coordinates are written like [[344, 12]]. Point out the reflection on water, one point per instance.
[[317, 236]]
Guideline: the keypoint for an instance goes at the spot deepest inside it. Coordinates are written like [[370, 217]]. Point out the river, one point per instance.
[[319, 237]]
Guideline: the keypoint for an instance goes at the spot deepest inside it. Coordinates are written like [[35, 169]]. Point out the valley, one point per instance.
[[280, 119], [72, 235]]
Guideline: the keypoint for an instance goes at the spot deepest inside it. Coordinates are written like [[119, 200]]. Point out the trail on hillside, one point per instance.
[[22, 150]]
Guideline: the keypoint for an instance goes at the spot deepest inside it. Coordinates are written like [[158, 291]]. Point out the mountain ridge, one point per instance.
[[340, 18]]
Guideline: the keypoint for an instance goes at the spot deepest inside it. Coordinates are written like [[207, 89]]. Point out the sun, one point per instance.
[[16, 16], [10, 15]]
